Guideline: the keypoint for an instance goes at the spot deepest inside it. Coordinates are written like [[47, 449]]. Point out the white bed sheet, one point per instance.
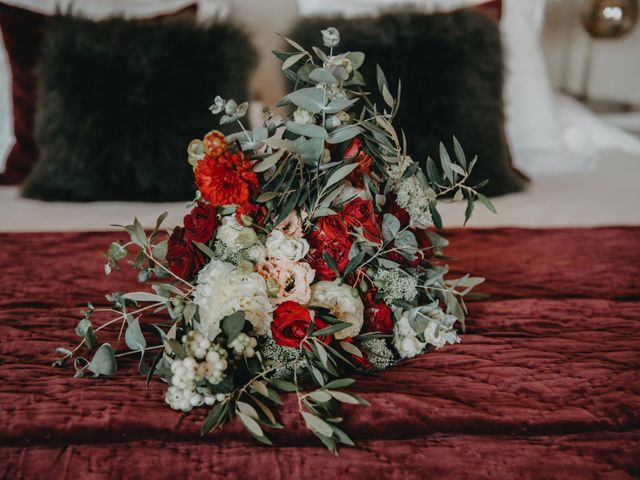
[[607, 195]]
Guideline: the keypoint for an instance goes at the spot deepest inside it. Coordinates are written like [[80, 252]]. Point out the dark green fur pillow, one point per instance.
[[120, 101], [452, 77]]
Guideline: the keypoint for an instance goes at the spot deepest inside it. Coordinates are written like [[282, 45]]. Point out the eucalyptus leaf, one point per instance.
[[344, 133], [322, 75], [390, 226], [311, 99], [268, 162], [133, 336], [103, 361], [306, 129]]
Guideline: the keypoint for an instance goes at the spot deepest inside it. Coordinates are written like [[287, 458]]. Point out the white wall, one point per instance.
[[615, 65]]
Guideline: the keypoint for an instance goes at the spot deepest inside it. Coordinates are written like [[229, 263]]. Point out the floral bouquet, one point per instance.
[[310, 254]]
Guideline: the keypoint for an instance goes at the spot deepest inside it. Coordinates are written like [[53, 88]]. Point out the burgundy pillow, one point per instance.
[[23, 33]]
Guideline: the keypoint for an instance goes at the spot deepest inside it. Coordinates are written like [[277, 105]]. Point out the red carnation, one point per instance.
[[200, 224], [291, 323], [226, 179], [359, 213], [329, 228], [338, 248], [183, 257], [355, 152], [251, 214]]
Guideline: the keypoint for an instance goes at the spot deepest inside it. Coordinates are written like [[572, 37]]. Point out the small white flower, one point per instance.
[[283, 248], [330, 37], [342, 303], [405, 339], [229, 233], [303, 116]]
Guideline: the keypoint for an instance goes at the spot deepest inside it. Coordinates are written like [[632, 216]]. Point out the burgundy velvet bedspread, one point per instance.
[[545, 383]]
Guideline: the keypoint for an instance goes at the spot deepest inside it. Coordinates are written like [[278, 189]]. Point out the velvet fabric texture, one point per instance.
[[545, 383], [451, 69], [121, 100]]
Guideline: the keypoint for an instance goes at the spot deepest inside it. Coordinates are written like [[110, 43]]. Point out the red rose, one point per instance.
[[377, 318], [328, 228], [183, 257], [250, 214], [392, 208], [200, 224], [291, 323], [355, 152], [338, 248], [359, 213]]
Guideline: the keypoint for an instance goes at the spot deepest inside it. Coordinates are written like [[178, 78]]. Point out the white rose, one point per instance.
[[303, 116], [229, 232], [341, 302], [222, 290], [405, 339], [283, 248]]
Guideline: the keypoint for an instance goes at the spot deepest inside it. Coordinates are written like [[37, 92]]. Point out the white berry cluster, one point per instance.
[[205, 361], [244, 345]]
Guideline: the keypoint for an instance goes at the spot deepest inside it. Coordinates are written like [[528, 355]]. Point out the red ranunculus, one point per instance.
[[328, 228], [200, 224], [226, 179], [377, 317], [338, 248], [251, 214], [183, 257], [359, 213], [291, 323], [355, 152]]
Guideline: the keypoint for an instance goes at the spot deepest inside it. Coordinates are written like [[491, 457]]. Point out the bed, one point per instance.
[[545, 384]]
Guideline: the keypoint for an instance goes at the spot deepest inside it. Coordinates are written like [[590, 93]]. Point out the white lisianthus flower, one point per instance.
[[283, 248], [438, 332], [222, 290], [287, 280], [405, 339], [342, 303], [303, 116], [229, 232]]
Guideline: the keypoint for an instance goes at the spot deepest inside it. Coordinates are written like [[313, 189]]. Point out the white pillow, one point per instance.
[[95, 9]]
